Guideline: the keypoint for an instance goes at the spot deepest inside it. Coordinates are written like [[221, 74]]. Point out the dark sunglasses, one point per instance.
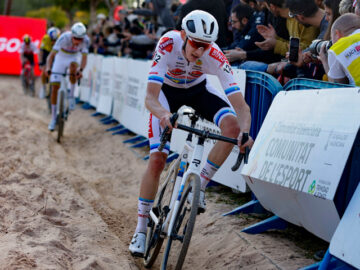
[[79, 39], [198, 44]]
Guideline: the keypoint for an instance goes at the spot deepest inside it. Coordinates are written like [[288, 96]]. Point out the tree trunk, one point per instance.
[[112, 4], [93, 6]]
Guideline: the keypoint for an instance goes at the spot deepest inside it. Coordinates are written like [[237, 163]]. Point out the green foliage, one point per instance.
[[82, 16], [53, 14]]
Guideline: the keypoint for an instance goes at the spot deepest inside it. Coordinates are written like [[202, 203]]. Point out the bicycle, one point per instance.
[[27, 79], [63, 105], [173, 216]]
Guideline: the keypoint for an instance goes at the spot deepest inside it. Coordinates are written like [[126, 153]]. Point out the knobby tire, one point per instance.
[[162, 200], [183, 226], [61, 120]]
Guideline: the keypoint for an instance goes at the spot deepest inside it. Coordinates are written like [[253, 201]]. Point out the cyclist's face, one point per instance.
[[192, 53], [76, 41]]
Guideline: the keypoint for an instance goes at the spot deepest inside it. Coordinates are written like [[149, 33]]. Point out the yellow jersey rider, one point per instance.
[[46, 45]]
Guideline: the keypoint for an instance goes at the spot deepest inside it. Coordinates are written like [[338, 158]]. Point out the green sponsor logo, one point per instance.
[[311, 189]]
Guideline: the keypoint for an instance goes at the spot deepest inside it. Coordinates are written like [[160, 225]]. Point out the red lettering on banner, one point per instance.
[[11, 39], [218, 55], [166, 44]]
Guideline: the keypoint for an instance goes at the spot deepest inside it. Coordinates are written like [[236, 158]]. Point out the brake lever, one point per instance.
[[165, 136], [242, 156]]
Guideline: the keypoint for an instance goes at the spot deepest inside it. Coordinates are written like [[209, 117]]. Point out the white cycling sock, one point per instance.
[[53, 112], [207, 173], [144, 207], [72, 89]]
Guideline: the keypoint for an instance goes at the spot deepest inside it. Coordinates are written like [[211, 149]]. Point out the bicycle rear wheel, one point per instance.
[[61, 119], [179, 241], [154, 239]]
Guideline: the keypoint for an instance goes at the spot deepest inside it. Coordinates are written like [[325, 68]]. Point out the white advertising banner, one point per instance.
[[120, 85], [300, 153], [105, 102], [86, 80], [135, 116], [346, 239], [96, 80]]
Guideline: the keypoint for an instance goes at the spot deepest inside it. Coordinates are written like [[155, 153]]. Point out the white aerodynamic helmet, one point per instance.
[[200, 25], [78, 30]]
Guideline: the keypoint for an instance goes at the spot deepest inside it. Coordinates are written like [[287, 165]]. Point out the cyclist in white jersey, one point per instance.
[[178, 77], [65, 54], [27, 51]]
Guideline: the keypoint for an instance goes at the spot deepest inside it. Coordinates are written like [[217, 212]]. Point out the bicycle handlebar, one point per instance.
[[64, 74], [207, 135]]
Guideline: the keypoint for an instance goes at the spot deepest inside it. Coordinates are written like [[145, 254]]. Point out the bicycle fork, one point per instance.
[[194, 168]]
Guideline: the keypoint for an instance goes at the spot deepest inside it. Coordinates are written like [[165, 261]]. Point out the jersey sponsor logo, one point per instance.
[[166, 44], [351, 52], [177, 71], [156, 73], [232, 84], [195, 73], [150, 131], [198, 62], [218, 55]]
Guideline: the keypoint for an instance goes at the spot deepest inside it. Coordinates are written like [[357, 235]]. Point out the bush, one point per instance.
[[53, 14]]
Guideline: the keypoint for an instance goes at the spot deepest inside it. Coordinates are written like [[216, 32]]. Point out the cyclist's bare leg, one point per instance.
[[72, 69], [54, 92], [148, 188]]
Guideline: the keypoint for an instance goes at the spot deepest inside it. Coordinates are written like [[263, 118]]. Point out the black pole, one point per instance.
[[7, 7]]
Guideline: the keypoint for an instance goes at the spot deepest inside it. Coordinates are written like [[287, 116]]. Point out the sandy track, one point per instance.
[[73, 206]]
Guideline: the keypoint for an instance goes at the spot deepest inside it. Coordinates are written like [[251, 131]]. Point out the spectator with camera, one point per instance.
[[341, 62]]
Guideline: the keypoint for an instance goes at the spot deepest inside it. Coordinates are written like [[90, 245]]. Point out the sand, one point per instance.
[[73, 205]]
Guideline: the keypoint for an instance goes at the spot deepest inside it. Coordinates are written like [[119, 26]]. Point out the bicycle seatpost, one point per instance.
[[165, 136]]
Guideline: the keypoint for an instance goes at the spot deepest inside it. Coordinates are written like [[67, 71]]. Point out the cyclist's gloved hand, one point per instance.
[[165, 121], [48, 72], [79, 74], [243, 143]]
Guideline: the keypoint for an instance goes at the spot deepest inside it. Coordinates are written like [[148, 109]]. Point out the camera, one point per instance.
[[315, 46]]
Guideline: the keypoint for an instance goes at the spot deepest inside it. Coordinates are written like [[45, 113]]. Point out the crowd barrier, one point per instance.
[[116, 87]]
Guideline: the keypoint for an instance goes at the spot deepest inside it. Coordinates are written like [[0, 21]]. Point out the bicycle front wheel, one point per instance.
[[154, 239], [61, 119], [179, 241]]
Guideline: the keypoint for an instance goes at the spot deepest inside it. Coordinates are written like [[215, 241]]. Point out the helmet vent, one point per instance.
[[204, 26], [191, 26], [212, 26]]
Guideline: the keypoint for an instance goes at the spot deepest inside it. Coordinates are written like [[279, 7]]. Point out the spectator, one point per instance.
[[215, 8], [331, 13], [258, 55], [244, 21], [309, 14], [278, 44], [159, 8], [357, 7], [346, 6], [113, 41], [340, 63]]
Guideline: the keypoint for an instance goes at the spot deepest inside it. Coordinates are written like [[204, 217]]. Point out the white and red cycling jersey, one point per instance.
[[28, 48], [64, 44], [170, 66]]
